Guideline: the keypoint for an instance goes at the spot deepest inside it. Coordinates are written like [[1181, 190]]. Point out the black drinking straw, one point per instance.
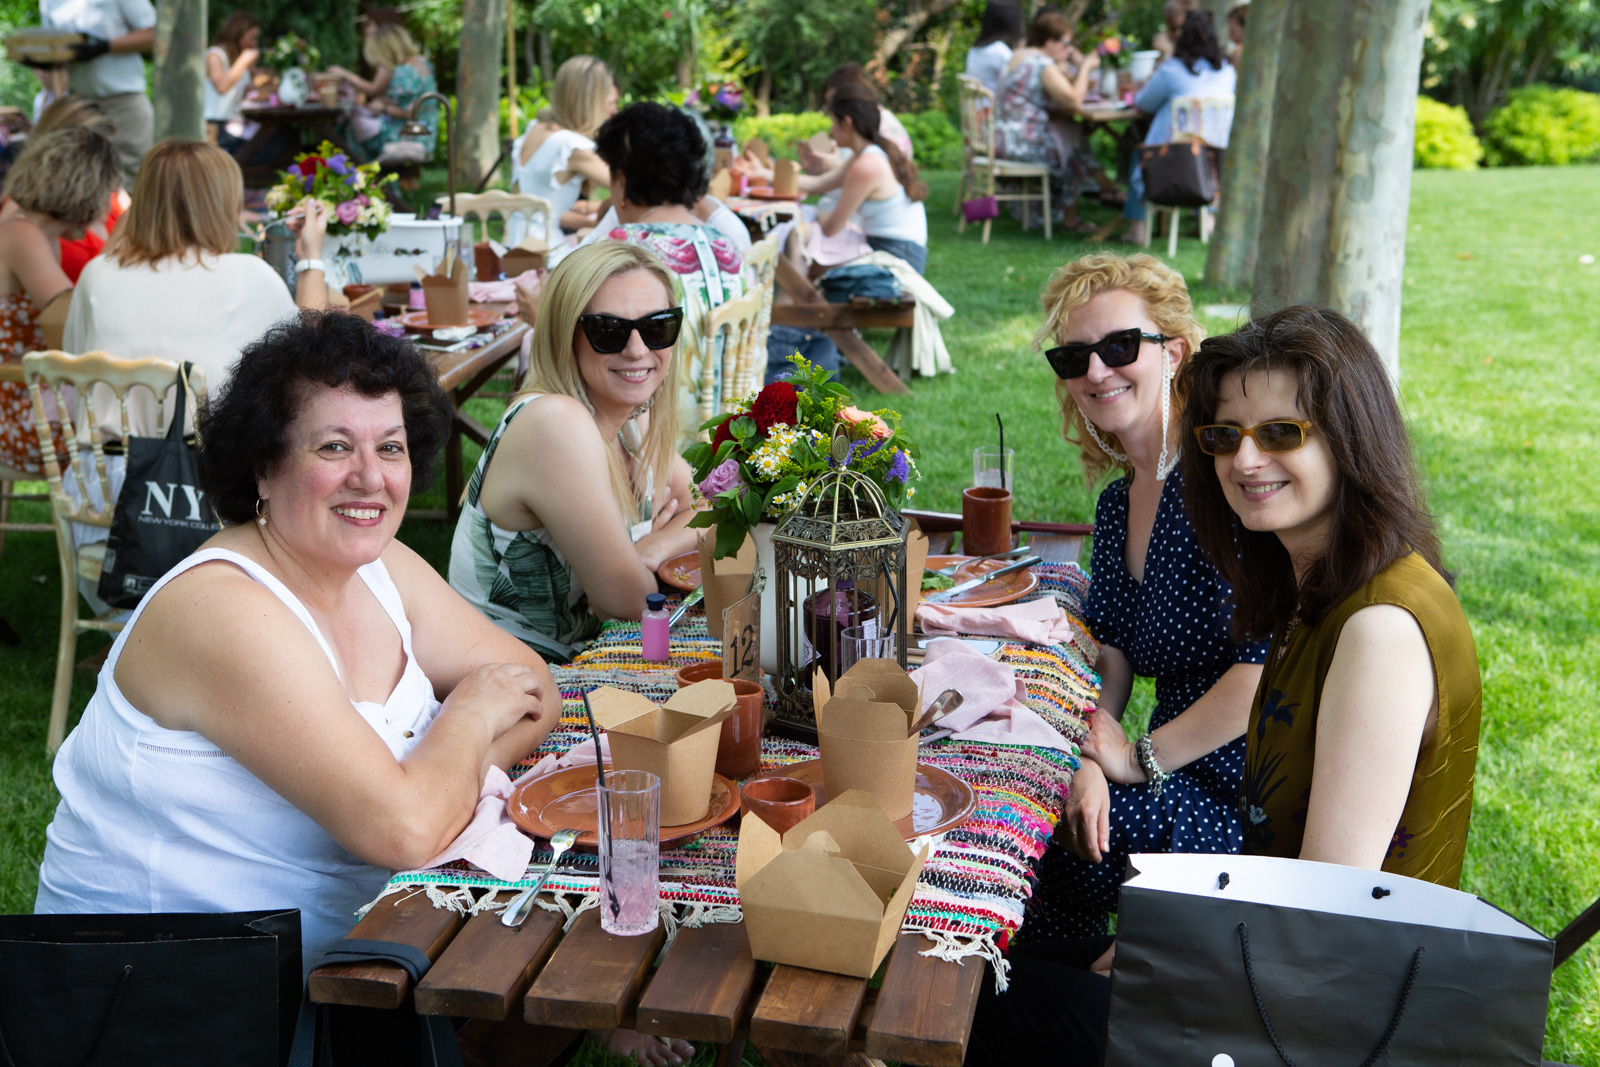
[[1002, 425], [603, 807]]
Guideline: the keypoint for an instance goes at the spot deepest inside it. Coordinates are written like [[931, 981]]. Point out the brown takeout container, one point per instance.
[[786, 178], [832, 892], [446, 294], [531, 254], [864, 733], [724, 581], [675, 741]]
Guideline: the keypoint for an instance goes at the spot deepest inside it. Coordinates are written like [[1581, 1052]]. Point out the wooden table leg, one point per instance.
[[865, 360]]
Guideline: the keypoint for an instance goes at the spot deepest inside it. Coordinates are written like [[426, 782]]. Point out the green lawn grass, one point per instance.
[[1499, 382]]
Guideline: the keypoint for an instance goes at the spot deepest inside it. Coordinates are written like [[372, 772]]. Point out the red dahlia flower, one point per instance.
[[309, 165], [776, 403], [723, 433]]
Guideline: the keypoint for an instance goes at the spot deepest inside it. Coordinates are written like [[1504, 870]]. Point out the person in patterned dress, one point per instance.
[[540, 548], [60, 185], [1156, 604]]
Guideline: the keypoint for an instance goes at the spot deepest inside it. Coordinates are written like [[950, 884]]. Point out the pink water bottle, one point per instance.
[[655, 622]]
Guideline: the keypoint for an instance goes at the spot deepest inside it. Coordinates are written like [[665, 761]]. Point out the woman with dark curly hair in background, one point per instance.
[[303, 704]]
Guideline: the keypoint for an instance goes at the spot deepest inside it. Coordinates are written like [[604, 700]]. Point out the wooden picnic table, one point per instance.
[[462, 374], [312, 122]]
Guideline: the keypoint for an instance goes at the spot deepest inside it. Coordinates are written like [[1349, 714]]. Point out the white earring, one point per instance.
[[261, 512]]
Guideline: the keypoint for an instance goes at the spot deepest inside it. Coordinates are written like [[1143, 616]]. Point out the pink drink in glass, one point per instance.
[[630, 852]]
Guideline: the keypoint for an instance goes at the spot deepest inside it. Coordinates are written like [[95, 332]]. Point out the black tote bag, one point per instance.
[[174, 990], [1272, 962], [161, 515], [1179, 174]]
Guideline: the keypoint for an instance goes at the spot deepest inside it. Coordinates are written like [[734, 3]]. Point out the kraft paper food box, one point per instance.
[[675, 741], [446, 295], [724, 581], [832, 892], [864, 732]]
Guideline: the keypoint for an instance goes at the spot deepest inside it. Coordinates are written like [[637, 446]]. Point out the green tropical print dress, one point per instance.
[[519, 579]]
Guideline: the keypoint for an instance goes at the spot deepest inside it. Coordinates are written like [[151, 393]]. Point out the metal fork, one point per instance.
[[950, 571], [517, 911]]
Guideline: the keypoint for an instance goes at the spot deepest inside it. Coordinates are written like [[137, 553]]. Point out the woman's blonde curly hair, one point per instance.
[[1165, 296]]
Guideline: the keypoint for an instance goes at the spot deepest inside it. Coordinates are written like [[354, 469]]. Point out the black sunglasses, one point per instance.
[[1116, 350], [609, 334]]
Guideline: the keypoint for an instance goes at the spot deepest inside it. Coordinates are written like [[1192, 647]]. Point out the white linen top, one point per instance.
[[223, 107], [537, 177], [105, 75], [204, 312], [988, 63], [158, 820], [897, 216]]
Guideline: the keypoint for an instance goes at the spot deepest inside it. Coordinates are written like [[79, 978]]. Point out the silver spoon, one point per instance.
[[517, 911], [942, 705]]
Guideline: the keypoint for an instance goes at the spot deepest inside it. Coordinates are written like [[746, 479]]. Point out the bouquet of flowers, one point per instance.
[[766, 452], [719, 98], [1114, 51], [352, 192], [291, 50]]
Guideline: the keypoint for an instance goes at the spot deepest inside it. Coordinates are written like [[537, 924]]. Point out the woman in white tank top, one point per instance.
[[555, 156], [303, 705]]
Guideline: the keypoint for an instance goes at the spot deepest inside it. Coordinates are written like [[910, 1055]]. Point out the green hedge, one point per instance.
[[1542, 125], [1444, 137], [935, 139]]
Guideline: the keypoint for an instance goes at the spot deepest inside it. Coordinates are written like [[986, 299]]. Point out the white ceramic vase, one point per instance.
[[292, 88]]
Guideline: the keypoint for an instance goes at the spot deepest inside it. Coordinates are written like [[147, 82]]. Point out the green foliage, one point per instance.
[[935, 139], [17, 82], [799, 43], [643, 41], [1444, 137], [1542, 125], [1475, 52], [781, 131], [328, 25]]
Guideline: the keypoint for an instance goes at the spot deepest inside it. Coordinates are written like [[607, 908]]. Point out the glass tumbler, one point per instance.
[[857, 643], [630, 852], [993, 467]]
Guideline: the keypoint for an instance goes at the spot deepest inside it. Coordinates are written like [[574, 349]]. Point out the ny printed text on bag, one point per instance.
[[161, 514], [179, 990], [1180, 174], [1274, 962]]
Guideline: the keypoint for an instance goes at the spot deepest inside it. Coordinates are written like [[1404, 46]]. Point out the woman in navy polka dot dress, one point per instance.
[[1156, 604]]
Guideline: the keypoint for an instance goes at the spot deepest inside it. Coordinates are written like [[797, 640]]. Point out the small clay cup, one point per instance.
[[699, 671], [779, 802], [739, 748], [985, 520]]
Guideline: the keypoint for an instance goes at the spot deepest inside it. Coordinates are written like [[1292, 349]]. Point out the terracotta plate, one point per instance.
[[942, 800], [1013, 586], [565, 798], [479, 316], [681, 572]]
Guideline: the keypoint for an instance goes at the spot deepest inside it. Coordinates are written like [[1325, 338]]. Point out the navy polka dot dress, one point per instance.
[[1173, 627]]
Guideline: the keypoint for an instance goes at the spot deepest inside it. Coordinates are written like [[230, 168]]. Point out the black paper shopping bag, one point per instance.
[[161, 515], [1270, 961], [174, 990]]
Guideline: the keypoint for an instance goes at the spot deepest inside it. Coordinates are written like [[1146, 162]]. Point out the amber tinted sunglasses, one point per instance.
[[609, 334], [1116, 350], [1280, 435]]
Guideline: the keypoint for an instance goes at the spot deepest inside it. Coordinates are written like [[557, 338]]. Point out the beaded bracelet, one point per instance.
[[1146, 751]]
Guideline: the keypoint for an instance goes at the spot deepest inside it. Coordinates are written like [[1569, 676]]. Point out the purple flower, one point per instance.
[[347, 211], [307, 180], [339, 164], [899, 468], [351, 178], [723, 477]]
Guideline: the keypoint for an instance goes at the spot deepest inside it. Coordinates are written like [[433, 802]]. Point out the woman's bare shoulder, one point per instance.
[[555, 421]]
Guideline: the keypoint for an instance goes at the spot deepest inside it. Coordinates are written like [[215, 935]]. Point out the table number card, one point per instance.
[[741, 632]]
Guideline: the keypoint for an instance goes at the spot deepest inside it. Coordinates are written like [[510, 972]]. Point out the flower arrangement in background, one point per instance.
[[719, 99], [1114, 51], [353, 192], [289, 51], [765, 453]]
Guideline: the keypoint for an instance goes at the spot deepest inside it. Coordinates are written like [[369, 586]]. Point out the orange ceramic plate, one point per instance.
[[1013, 586], [479, 316], [942, 801], [681, 572], [566, 798]]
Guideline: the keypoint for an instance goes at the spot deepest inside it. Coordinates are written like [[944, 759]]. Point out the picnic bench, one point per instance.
[[843, 323]]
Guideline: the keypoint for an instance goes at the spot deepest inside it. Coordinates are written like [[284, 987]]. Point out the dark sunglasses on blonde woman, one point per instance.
[[1280, 435], [1116, 350], [609, 334]]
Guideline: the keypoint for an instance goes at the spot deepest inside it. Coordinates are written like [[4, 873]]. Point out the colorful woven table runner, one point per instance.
[[970, 897]]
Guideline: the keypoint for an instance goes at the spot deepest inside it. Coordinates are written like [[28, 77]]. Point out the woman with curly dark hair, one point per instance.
[[657, 159], [268, 729]]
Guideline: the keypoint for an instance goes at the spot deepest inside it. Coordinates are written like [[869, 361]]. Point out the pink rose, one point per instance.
[[348, 211], [723, 477], [855, 416]]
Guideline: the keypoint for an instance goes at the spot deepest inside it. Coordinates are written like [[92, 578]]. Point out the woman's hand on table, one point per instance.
[[500, 694], [1087, 817], [1108, 745]]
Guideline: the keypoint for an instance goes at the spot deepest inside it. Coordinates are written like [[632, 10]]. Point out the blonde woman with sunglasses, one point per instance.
[[1117, 331], [580, 495]]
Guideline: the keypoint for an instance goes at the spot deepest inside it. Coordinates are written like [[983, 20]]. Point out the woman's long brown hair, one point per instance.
[[859, 104], [1379, 514]]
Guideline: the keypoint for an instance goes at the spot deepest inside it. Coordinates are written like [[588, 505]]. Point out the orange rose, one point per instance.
[[855, 417]]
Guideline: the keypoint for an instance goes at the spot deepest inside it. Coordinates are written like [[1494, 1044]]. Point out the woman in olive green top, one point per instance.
[[1363, 736]]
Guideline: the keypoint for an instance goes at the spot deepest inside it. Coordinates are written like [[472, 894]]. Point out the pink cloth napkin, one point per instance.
[[497, 291], [992, 707], [1038, 622], [491, 840]]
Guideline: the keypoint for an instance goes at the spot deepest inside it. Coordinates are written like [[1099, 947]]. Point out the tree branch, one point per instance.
[[894, 40]]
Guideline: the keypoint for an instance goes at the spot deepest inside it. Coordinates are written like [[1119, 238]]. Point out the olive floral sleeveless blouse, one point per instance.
[[1430, 838]]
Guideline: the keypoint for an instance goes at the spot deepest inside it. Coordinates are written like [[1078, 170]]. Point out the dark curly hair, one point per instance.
[[243, 429], [1198, 41], [658, 151]]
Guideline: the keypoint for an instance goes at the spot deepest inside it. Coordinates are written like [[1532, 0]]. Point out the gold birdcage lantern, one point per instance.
[[840, 560]]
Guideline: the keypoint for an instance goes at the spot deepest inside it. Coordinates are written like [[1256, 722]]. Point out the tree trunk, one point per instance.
[[1231, 258], [920, 11], [1218, 10], [1339, 171], [180, 66], [477, 127], [764, 95]]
